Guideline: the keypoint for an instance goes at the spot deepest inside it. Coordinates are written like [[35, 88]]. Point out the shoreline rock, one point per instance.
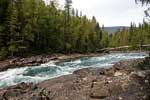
[[38, 60], [21, 62], [126, 80]]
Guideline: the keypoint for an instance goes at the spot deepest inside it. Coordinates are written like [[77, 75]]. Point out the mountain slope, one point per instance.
[[114, 29]]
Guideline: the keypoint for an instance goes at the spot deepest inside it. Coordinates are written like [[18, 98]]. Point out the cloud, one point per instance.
[[111, 12]]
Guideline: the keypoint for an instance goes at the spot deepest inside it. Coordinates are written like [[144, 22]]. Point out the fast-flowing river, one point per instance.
[[50, 70]]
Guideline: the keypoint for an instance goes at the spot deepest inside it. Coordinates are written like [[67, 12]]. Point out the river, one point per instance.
[[51, 70]]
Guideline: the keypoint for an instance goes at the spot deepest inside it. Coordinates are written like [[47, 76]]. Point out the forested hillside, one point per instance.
[[134, 36], [33, 26], [113, 29]]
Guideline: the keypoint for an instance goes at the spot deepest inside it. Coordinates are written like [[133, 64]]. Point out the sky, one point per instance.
[[110, 12]]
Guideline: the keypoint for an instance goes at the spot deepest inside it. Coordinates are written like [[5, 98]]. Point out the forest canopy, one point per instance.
[[33, 26]]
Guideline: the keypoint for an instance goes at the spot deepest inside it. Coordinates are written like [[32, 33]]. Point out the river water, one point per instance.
[[51, 70]]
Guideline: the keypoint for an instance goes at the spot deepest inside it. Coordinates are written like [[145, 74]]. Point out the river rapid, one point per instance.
[[51, 70]]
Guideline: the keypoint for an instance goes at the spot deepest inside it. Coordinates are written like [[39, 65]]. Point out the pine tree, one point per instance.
[[31, 26], [68, 4]]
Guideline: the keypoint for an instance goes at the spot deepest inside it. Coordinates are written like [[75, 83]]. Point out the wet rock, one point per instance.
[[123, 81], [20, 62]]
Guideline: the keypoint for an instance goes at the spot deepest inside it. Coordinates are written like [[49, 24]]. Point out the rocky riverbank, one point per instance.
[[40, 59], [126, 80]]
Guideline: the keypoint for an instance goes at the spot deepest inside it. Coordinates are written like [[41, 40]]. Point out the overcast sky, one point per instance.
[[111, 12]]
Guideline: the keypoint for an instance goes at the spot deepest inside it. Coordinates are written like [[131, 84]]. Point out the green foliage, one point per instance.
[[105, 40], [134, 36], [3, 53], [28, 26]]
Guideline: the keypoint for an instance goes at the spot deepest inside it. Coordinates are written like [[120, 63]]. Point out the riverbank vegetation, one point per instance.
[[133, 36], [33, 26]]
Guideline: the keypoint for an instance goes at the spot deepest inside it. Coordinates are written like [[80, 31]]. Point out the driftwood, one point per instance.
[[121, 47]]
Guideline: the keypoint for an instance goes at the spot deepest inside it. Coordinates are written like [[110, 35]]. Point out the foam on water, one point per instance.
[[51, 70]]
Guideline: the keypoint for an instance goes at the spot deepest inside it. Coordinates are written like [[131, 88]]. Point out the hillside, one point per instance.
[[114, 29]]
